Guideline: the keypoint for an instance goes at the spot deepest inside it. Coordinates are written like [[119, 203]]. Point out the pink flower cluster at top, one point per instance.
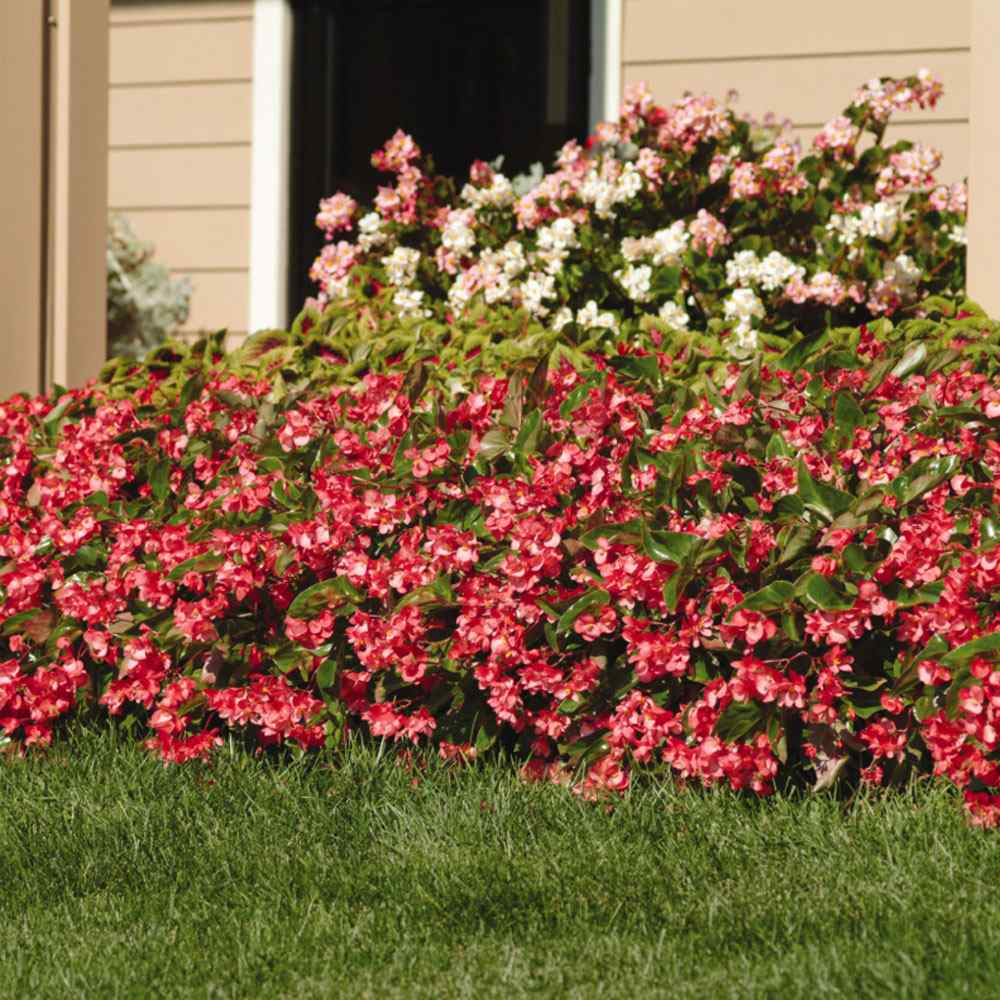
[[632, 225]]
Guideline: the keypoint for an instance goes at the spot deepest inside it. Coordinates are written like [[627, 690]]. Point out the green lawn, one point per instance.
[[119, 878]]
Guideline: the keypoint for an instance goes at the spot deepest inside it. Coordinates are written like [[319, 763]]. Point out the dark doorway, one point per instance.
[[468, 79]]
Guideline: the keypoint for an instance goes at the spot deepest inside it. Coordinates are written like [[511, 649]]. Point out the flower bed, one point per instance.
[[597, 546], [792, 573]]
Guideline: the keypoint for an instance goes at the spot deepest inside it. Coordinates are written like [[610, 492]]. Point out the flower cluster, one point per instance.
[[786, 573], [687, 213]]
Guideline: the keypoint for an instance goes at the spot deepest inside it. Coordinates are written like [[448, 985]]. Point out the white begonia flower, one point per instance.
[[742, 343], [401, 265], [563, 317], [589, 318], [463, 288], [409, 303], [904, 274], [741, 269], [370, 231], [498, 194], [743, 306], [674, 315], [773, 272], [554, 243], [535, 289], [598, 192], [634, 248], [637, 282], [513, 259], [670, 243], [629, 183], [879, 221], [776, 270], [457, 235], [957, 234]]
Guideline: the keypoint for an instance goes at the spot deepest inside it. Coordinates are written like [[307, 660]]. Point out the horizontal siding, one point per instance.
[[188, 114], [194, 240], [156, 11], [181, 52], [672, 30], [221, 300], [181, 111], [196, 176], [806, 69], [807, 89]]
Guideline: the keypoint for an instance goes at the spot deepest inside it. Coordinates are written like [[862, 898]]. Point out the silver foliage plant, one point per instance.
[[145, 305]]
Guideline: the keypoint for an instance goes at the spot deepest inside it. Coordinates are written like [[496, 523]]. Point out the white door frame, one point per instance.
[[269, 181]]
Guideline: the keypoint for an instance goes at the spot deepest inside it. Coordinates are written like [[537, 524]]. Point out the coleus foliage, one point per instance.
[[789, 572]]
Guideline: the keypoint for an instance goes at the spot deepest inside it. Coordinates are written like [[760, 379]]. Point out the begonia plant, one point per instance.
[[599, 551]]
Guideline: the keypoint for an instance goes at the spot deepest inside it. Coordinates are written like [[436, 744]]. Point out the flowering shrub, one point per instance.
[[791, 573], [686, 213]]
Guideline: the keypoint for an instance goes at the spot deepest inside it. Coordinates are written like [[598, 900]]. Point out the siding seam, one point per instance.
[[177, 208], [209, 270], [137, 85], [233, 19], [130, 146], [902, 122], [783, 57]]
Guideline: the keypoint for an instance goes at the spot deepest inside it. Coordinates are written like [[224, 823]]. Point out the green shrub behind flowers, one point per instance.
[[600, 550]]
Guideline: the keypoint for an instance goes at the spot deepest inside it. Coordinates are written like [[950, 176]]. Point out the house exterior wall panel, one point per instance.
[[806, 68], [185, 50], [196, 239], [807, 89], [222, 301], [181, 112], [185, 176], [692, 30]]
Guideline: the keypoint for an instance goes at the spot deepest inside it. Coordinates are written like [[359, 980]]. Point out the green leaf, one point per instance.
[[514, 404], [969, 650], [825, 499], [575, 399], [204, 563], [326, 673], [673, 589], [775, 595], [493, 443], [911, 361], [591, 599], [668, 546], [527, 437], [327, 593], [191, 390], [923, 476], [847, 415], [989, 532], [738, 720], [818, 589], [159, 479]]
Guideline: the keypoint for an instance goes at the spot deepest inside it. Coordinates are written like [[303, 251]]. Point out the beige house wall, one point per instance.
[[784, 56], [179, 154]]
